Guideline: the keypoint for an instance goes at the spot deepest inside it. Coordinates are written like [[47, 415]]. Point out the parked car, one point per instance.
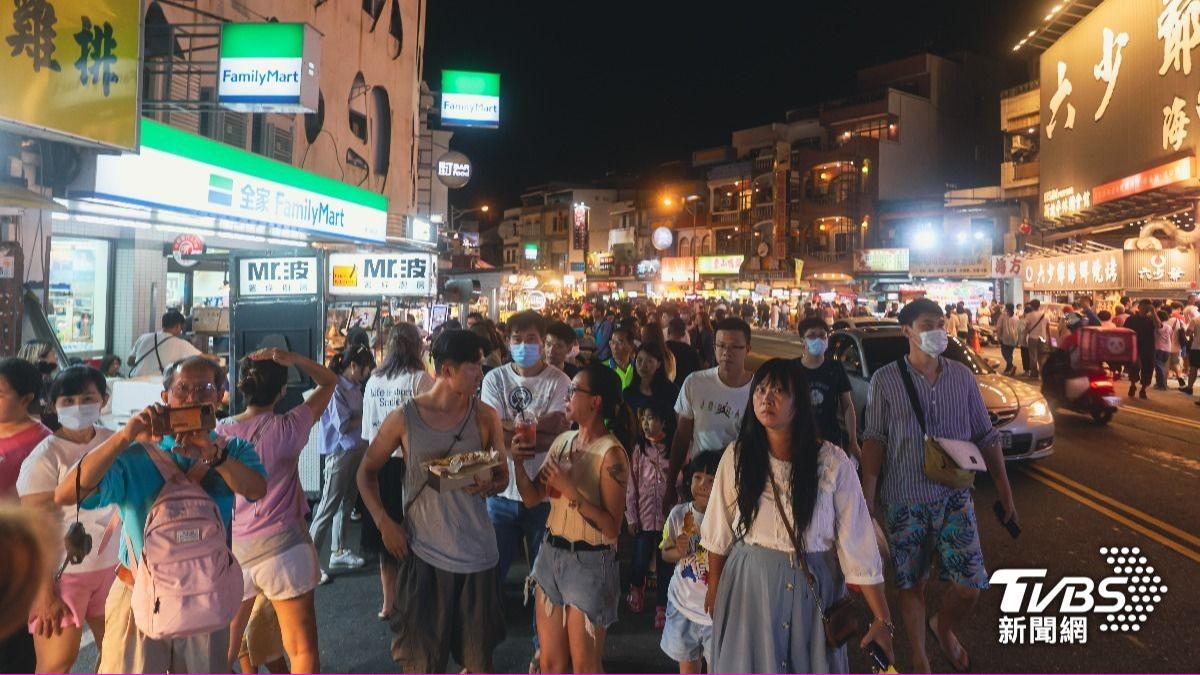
[[1017, 409], [862, 322]]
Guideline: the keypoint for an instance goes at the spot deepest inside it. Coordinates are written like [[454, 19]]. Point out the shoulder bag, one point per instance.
[[844, 618], [940, 467]]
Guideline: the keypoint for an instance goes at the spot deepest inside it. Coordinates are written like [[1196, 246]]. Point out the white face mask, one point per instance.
[[933, 342], [79, 417]]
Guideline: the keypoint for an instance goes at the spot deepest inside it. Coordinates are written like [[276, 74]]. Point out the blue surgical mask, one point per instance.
[[816, 346], [526, 355]]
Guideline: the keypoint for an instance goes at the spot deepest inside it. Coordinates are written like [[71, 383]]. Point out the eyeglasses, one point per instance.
[[205, 390], [572, 390]]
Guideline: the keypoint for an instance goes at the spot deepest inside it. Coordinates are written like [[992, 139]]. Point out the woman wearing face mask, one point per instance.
[[786, 504], [830, 388], [58, 616], [343, 447]]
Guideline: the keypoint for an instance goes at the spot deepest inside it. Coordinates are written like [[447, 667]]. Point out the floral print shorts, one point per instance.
[[946, 527]]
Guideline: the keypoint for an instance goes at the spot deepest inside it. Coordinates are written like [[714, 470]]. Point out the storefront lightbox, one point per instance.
[[79, 283]]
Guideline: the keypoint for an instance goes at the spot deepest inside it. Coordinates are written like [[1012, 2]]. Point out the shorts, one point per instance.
[[288, 574], [391, 493], [684, 639], [262, 642], [586, 580], [947, 526], [441, 614], [84, 594], [1194, 358], [127, 650]]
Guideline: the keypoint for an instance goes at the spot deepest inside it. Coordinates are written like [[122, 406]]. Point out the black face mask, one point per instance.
[[46, 368]]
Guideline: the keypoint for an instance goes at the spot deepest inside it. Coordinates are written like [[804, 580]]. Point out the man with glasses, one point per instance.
[[121, 472], [711, 403]]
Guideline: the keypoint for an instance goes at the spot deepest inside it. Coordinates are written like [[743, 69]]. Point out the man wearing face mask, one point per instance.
[[830, 389], [920, 516], [531, 385]]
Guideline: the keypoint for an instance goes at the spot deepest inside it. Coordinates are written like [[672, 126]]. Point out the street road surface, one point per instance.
[[1131, 484]]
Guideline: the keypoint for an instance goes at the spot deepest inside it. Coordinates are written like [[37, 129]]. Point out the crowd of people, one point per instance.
[[750, 506]]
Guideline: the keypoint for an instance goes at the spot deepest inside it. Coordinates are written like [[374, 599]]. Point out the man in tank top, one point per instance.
[[448, 589]]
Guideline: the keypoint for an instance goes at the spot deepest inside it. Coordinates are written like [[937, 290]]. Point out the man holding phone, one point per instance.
[[921, 516], [121, 472]]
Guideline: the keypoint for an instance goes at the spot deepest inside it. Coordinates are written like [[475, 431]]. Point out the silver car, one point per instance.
[[1017, 409]]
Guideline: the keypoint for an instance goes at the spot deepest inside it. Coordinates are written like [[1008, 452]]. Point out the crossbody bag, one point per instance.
[[844, 617], [940, 467]]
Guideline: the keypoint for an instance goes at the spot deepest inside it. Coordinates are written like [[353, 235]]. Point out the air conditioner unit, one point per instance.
[[1021, 143]]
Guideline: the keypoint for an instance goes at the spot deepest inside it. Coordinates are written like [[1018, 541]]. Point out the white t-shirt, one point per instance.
[[171, 348], [716, 410], [1193, 327], [840, 520], [44, 469], [385, 394], [509, 393], [689, 583]]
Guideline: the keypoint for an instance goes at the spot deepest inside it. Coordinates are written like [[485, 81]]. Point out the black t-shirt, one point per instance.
[[1144, 327], [687, 360], [826, 384]]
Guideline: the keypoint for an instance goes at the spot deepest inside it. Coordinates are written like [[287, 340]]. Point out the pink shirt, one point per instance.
[[13, 451], [278, 440], [644, 498]]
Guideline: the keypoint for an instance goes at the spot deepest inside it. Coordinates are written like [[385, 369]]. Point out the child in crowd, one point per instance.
[[643, 502], [687, 635]]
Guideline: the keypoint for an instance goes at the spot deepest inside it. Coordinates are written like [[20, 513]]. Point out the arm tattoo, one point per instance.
[[617, 473]]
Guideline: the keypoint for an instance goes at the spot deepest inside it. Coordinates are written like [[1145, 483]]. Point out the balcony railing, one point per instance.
[[1022, 174]]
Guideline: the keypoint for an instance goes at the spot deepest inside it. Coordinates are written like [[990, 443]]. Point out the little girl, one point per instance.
[[643, 504]]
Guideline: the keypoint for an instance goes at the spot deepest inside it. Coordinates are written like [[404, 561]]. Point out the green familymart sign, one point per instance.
[[470, 98], [184, 173], [269, 67]]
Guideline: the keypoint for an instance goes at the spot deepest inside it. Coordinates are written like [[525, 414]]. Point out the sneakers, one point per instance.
[[345, 558], [324, 578], [1143, 394], [1133, 390], [636, 599], [660, 617], [355, 515]]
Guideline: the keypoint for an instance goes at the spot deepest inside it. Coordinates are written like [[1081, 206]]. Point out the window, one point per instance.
[[357, 107], [79, 282], [313, 122], [396, 31], [851, 359], [210, 288], [685, 248]]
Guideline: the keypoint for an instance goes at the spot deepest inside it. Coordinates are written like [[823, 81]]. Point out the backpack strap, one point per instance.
[[113, 524]]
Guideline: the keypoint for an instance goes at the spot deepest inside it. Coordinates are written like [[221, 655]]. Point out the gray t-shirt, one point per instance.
[[449, 530]]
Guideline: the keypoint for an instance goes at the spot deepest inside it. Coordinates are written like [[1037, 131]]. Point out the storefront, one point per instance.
[[375, 291], [1107, 275], [167, 220]]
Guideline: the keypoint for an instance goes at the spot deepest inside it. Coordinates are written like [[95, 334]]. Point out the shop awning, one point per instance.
[[15, 195]]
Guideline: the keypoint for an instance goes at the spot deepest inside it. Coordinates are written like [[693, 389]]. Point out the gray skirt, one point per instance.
[[765, 620]]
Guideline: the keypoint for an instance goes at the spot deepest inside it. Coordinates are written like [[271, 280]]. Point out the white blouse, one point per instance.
[[840, 516]]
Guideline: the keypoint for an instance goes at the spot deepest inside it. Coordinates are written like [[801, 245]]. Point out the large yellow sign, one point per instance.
[[71, 68]]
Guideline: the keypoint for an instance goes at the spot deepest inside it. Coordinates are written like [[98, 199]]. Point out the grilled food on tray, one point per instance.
[[448, 466]]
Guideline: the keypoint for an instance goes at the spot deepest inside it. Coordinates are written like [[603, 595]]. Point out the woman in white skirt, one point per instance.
[[765, 618]]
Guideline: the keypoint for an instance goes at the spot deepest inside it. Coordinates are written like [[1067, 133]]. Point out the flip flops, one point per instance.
[[966, 667]]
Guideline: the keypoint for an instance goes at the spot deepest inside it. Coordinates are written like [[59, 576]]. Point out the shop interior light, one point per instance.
[[925, 238], [978, 235], [287, 242]]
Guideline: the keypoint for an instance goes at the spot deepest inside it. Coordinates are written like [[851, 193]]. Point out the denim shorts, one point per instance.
[[684, 639], [585, 580], [946, 527]]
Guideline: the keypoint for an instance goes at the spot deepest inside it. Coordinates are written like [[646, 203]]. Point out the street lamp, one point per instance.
[[455, 214]]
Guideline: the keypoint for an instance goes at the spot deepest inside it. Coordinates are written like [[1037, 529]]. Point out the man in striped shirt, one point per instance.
[[921, 517]]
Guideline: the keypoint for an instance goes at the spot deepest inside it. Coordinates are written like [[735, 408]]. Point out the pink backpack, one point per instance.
[[186, 581]]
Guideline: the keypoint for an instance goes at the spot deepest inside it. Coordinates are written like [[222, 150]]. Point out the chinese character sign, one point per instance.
[[1170, 269], [71, 68], [394, 274], [1097, 271]]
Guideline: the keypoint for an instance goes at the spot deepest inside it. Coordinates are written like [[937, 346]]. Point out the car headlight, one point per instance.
[[1039, 408]]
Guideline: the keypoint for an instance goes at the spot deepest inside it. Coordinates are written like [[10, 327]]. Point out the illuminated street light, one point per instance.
[[484, 208], [667, 201]]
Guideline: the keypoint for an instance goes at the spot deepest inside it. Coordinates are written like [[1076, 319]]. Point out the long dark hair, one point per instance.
[[354, 354], [753, 459], [660, 386], [261, 381], [403, 351], [618, 418]]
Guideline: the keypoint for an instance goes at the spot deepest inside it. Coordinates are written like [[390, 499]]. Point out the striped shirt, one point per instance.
[[953, 408]]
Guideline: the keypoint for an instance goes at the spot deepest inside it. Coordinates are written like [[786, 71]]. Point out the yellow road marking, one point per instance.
[[1161, 417], [1183, 550]]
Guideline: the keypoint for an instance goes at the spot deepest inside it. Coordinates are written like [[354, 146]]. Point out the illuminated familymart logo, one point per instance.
[[256, 201], [1035, 611], [268, 67]]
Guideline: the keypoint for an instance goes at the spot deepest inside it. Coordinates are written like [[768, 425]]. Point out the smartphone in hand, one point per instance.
[[1014, 530]]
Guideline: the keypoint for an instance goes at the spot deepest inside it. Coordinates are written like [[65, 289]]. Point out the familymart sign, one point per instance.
[[269, 67], [180, 172]]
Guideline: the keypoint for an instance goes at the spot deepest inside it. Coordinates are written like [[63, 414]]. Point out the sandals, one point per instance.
[[965, 667]]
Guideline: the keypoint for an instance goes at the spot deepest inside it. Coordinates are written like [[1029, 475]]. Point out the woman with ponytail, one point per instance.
[[584, 477]]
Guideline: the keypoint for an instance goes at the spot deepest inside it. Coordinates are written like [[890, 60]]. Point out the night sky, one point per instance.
[[588, 89]]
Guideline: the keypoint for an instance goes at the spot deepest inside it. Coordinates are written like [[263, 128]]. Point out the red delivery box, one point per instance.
[[1107, 345]]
